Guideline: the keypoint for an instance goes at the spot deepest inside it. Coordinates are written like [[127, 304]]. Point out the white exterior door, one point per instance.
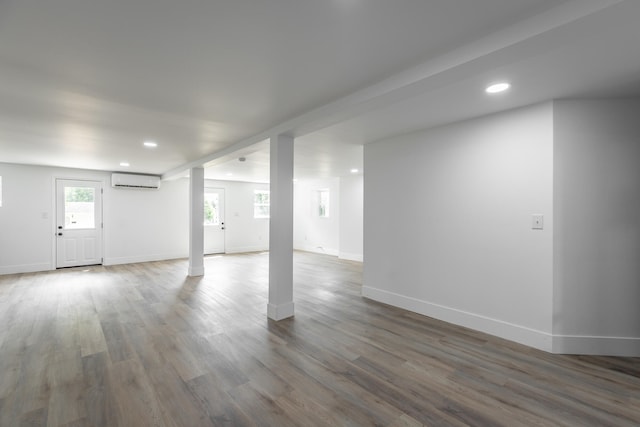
[[214, 221], [79, 223]]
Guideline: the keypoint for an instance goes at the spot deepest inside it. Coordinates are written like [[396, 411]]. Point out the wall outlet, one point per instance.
[[537, 222]]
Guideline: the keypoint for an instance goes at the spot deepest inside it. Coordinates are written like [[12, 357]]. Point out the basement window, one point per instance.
[[261, 203]]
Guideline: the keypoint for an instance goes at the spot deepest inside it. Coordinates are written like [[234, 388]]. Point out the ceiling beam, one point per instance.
[[422, 78]]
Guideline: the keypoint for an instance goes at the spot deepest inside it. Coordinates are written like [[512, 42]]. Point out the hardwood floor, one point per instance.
[[141, 345]]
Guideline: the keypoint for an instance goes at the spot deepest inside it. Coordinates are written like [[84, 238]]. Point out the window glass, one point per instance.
[[79, 209], [211, 209], [323, 203], [261, 203]]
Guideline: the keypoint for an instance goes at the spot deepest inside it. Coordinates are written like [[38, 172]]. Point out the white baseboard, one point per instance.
[[559, 344], [243, 249], [316, 249], [280, 311], [142, 258], [25, 268], [195, 271], [351, 257], [520, 334], [596, 345]]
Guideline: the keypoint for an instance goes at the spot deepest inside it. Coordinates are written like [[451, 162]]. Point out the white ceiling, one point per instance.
[[84, 82]]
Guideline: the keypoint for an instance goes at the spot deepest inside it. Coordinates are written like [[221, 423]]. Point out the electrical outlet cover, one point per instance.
[[537, 222]]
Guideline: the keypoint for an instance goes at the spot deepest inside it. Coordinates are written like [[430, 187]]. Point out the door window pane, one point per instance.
[[323, 203], [211, 209], [261, 203], [79, 207]]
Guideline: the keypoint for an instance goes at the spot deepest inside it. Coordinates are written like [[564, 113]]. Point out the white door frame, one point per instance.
[[208, 229], [54, 217]]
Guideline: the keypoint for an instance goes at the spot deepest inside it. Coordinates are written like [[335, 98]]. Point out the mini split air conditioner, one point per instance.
[[127, 180]]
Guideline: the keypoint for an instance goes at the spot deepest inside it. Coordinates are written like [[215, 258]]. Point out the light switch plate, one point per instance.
[[537, 222]]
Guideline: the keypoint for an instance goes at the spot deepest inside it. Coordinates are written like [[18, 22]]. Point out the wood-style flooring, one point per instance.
[[142, 345]]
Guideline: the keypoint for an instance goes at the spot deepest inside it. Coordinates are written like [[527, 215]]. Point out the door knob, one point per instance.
[[59, 234]]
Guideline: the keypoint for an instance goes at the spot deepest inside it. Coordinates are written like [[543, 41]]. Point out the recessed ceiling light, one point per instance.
[[354, 170], [497, 87], [229, 174], [125, 164], [150, 144]]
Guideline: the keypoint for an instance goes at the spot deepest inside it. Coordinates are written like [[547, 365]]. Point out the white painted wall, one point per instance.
[[448, 223], [243, 232], [26, 215], [351, 217], [597, 238], [342, 233], [311, 232], [146, 225], [139, 225]]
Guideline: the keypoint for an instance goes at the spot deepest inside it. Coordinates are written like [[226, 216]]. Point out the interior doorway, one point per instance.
[[78, 223], [214, 227]]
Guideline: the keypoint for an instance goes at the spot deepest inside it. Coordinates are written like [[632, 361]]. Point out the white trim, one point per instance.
[[26, 268], [93, 176], [512, 332], [596, 345], [142, 258], [280, 311], [559, 344], [53, 221], [317, 250], [351, 257], [243, 249], [195, 271]]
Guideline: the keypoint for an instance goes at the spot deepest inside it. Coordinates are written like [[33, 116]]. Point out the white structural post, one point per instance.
[[281, 229], [196, 222]]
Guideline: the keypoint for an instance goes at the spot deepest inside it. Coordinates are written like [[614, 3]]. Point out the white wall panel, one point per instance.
[[448, 223]]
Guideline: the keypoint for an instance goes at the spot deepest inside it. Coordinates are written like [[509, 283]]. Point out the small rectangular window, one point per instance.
[[261, 203], [79, 211], [323, 203], [211, 209]]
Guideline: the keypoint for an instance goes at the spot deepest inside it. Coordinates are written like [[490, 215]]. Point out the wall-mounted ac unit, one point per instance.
[[128, 180]]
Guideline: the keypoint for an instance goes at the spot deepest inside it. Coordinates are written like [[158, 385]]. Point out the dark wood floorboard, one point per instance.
[[143, 345]]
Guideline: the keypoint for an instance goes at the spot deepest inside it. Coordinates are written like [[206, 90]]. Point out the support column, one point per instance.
[[196, 222], [281, 229]]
